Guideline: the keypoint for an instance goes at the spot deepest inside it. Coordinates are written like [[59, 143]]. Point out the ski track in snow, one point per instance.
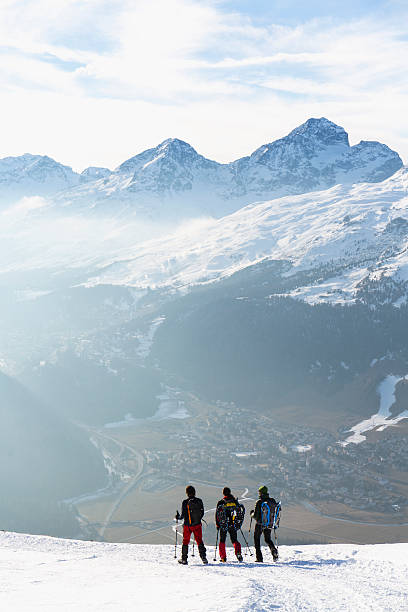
[[40, 573]]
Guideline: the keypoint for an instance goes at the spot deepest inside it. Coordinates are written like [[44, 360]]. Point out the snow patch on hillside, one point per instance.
[[170, 406], [382, 419], [146, 340]]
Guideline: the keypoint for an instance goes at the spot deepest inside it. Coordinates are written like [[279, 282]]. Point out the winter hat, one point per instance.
[[226, 491], [263, 490], [190, 490]]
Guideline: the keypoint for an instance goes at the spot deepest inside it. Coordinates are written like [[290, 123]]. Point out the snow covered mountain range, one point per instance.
[[344, 210], [173, 180], [41, 573]]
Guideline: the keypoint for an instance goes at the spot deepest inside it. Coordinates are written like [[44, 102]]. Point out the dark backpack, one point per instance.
[[276, 518], [194, 511], [230, 514], [268, 513]]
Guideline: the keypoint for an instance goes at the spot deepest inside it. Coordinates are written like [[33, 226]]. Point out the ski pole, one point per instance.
[[246, 552], [175, 545], [250, 525], [193, 548], [250, 553], [216, 545]]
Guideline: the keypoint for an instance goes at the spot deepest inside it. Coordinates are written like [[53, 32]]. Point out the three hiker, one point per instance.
[[192, 512], [263, 515], [229, 516]]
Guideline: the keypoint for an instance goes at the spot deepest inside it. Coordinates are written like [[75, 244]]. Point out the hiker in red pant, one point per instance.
[[229, 516], [192, 512]]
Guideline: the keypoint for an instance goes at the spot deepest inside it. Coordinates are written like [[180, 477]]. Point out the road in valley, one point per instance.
[[122, 447]]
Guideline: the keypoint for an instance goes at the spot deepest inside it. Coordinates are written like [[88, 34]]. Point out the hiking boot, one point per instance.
[[275, 555], [202, 550], [258, 560], [204, 560], [183, 561], [239, 557], [223, 560]]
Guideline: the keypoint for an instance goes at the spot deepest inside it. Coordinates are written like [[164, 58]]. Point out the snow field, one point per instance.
[[40, 573]]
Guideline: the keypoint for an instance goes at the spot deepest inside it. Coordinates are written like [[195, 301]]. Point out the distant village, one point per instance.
[[298, 463]]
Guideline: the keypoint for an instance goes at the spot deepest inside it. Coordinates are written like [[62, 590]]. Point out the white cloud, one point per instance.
[[146, 70]]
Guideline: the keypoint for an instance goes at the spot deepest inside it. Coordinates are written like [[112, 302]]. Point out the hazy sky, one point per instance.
[[92, 82]]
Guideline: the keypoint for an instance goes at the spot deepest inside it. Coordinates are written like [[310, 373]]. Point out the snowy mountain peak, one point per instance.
[[169, 148], [29, 174], [175, 146], [321, 131], [316, 155], [26, 162], [315, 137]]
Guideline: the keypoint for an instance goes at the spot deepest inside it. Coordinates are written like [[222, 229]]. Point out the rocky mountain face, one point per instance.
[[314, 156], [172, 179], [93, 173]]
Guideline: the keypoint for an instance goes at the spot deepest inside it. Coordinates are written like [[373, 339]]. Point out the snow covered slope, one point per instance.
[[173, 180], [360, 231], [42, 573]]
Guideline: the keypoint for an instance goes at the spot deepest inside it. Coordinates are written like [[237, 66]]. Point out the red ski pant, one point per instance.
[[234, 540], [197, 530]]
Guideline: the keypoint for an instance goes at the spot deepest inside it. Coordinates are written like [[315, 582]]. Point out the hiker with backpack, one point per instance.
[[264, 515], [229, 516], [192, 512]]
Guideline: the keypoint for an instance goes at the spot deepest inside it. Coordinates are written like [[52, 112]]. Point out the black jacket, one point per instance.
[[257, 512], [192, 513]]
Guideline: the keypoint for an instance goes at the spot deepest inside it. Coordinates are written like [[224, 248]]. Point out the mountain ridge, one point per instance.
[[174, 179]]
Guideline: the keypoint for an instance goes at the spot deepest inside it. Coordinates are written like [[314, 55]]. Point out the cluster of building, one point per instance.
[[298, 463]]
